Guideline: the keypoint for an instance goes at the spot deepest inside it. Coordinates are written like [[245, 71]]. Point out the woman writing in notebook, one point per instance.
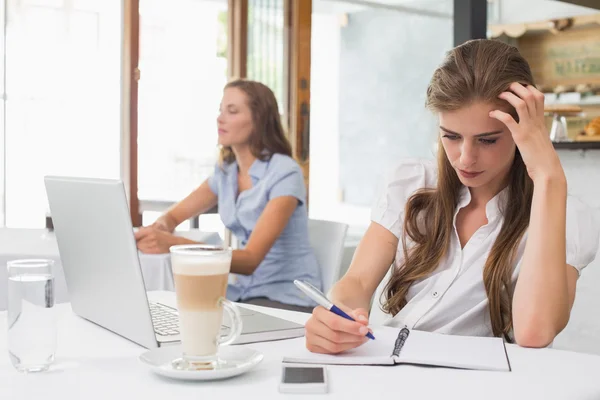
[[485, 242], [260, 191]]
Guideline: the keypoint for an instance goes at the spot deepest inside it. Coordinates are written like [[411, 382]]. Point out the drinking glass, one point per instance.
[[31, 319], [201, 273]]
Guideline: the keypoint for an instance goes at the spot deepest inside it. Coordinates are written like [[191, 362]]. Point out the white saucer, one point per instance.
[[234, 360]]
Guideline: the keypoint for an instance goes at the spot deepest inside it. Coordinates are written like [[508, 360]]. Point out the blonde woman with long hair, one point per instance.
[[485, 242]]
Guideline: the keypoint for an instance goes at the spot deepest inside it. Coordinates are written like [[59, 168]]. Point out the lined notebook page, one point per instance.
[[484, 353], [374, 352]]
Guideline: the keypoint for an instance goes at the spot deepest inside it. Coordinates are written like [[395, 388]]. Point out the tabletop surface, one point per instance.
[[93, 363]]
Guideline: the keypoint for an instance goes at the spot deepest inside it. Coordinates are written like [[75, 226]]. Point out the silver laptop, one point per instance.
[[102, 268]]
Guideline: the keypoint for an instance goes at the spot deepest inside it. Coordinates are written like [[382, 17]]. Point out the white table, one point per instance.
[[93, 363], [39, 243]]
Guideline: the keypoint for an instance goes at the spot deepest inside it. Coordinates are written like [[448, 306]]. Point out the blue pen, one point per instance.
[[321, 300]]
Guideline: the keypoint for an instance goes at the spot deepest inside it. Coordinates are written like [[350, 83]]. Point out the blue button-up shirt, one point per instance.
[[291, 256]]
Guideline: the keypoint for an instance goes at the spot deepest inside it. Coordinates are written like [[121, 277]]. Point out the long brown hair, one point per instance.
[[476, 71], [267, 137]]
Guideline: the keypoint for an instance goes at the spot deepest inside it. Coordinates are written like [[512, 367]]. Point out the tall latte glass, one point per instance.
[[201, 273]]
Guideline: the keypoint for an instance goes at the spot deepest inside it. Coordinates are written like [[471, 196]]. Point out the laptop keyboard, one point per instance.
[[164, 319]]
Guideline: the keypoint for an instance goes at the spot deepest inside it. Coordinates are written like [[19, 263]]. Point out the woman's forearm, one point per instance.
[[197, 202], [372, 259], [350, 293], [541, 303], [244, 262]]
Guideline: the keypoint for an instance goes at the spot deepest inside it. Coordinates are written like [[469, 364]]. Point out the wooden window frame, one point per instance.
[[131, 76], [298, 51], [297, 74], [237, 38]]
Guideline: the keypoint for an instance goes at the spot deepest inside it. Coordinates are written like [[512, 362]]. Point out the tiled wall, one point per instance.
[[583, 331], [583, 174]]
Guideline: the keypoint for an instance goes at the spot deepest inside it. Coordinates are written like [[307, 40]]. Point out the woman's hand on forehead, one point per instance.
[[530, 133]]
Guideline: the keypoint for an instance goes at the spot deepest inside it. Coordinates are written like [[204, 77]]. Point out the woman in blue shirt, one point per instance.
[[261, 196]]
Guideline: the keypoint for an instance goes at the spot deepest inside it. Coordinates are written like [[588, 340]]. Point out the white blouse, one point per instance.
[[452, 300]]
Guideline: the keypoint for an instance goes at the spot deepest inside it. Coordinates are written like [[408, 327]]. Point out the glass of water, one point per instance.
[[31, 321]]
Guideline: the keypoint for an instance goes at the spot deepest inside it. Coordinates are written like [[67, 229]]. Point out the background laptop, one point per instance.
[[102, 268]]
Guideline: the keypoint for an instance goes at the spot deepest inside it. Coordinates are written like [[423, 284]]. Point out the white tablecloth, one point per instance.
[[39, 243], [93, 363]]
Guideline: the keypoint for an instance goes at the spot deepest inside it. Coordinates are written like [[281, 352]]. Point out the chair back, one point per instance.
[[327, 240]]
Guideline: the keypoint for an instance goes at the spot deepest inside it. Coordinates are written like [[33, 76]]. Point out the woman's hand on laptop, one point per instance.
[[329, 333], [151, 240], [165, 223]]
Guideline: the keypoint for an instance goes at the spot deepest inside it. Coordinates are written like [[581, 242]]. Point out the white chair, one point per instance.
[[327, 240]]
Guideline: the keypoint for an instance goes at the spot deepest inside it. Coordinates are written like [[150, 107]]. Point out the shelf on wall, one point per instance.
[[577, 145], [586, 101]]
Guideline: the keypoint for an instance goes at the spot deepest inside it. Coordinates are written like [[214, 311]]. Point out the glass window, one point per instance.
[[266, 59], [370, 67], [2, 119], [183, 64], [63, 63]]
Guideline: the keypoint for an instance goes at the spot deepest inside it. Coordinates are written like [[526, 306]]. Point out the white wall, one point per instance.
[[324, 111]]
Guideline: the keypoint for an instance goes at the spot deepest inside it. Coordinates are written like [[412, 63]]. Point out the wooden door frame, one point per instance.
[[298, 22], [131, 76], [237, 38]]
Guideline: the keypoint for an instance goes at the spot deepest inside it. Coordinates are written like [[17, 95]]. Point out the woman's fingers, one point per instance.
[[527, 96], [315, 349], [540, 100], [518, 104], [155, 242], [320, 329], [329, 333], [337, 323], [526, 99], [506, 119], [320, 344], [142, 232], [360, 315], [147, 246]]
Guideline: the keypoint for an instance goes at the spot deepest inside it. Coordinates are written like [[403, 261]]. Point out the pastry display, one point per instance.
[[593, 128]]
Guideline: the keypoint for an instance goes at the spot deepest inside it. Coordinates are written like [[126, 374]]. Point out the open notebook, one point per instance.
[[403, 346]]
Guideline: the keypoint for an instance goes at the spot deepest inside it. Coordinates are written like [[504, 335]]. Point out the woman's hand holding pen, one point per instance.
[[329, 333]]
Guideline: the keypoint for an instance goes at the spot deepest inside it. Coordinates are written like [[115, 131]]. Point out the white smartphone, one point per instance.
[[303, 379]]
